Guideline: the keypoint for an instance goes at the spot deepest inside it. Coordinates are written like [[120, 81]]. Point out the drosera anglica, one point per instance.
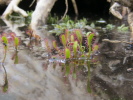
[[73, 53]]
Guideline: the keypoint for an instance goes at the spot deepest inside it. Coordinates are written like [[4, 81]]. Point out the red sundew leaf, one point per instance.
[[79, 35], [55, 45], [63, 40], [47, 45], [67, 53], [89, 42], [75, 47], [75, 37], [89, 38], [70, 46], [67, 34], [72, 38]]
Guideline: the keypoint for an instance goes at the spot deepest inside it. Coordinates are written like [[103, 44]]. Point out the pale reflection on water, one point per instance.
[[29, 80]]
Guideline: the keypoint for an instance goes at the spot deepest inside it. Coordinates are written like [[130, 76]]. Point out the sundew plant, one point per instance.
[[74, 52]]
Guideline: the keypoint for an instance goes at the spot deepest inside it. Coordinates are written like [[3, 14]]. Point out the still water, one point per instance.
[[34, 77]]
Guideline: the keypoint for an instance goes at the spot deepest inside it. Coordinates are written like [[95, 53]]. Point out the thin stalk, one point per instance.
[[75, 7], [74, 71], [90, 49], [5, 86], [89, 77], [67, 67], [16, 57], [4, 56], [66, 2], [32, 3]]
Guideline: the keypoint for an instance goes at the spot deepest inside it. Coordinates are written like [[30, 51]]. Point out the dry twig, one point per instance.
[[32, 3]]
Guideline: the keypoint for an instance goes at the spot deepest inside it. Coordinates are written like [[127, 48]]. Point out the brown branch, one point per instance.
[[75, 7], [116, 41], [66, 2]]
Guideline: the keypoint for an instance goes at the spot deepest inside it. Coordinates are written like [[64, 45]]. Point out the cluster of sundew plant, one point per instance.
[[5, 40], [73, 52]]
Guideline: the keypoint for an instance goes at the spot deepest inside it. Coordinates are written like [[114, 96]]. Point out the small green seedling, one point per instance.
[[5, 43], [123, 28], [5, 86]]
